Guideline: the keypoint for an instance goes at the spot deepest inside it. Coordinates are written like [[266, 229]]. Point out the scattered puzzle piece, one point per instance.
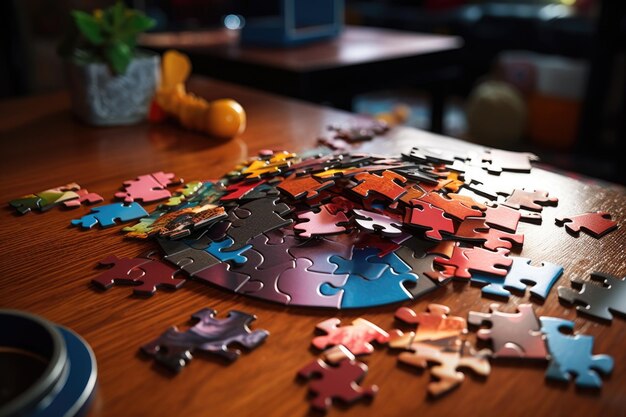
[[45, 200], [430, 218], [339, 381], [108, 214], [530, 200], [598, 301], [84, 196], [477, 259], [572, 355], [375, 222], [356, 338], [513, 335], [321, 223], [174, 348], [147, 188], [595, 224], [303, 186], [384, 185], [453, 207], [540, 278], [448, 360], [145, 273], [434, 324]]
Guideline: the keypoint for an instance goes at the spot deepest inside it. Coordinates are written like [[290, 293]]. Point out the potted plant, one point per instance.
[[111, 81]]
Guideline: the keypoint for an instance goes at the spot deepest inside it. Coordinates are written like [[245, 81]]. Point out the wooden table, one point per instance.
[[46, 266], [361, 59]]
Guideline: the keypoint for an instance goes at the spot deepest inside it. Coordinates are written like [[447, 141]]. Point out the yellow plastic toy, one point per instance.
[[223, 118]]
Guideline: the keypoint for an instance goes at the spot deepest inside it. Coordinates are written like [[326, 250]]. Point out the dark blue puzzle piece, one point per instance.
[[573, 355], [107, 215], [542, 278], [219, 250]]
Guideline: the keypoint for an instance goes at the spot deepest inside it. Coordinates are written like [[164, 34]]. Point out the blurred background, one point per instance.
[[547, 76]]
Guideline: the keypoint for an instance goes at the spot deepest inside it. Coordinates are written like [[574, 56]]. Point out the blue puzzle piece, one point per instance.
[[106, 215], [362, 263], [573, 355], [541, 278], [386, 289], [218, 249]]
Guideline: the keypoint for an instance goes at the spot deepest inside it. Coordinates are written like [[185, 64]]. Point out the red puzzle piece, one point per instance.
[[356, 338], [145, 273], [477, 229], [429, 217], [384, 185], [595, 224], [454, 208], [321, 223], [530, 200], [477, 259], [340, 381], [240, 189], [303, 186]]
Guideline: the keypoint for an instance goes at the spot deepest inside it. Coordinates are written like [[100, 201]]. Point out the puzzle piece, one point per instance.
[[447, 360], [540, 278], [145, 273], [364, 262], [179, 223], [595, 224], [303, 186], [572, 355], [84, 196], [184, 193], [501, 160], [356, 338], [513, 335], [108, 214], [375, 222], [174, 348], [430, 218], [189, 259], [147, 188], [321, 223], [389, 288], [475, 229], [530, 200], [478, 260], [420, 266], [598, 301], [319, 251], [274, 253], [432, 325], [339, 381], [453, 207], [218, 249], [45, 200], [384, 185], [256, 217], [240, 190], [304, 286], [424, 154], [143, 229]]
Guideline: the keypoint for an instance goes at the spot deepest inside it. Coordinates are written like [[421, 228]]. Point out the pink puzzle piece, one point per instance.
[[84, 196], [595, 224], [429, 217], [356, 338], [147, 188], [321, 223], [477, 259]]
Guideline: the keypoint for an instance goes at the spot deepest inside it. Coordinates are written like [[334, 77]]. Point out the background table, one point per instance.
[[361, 59], [46, 267]]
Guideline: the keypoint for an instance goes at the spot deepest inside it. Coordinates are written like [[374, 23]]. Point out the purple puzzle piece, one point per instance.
[[273, 254], [303, 286], [319, 252]]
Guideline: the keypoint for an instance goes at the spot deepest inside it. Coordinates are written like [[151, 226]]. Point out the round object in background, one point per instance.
[[496, 114]]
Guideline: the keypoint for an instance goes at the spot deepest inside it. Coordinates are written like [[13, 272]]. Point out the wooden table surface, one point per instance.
[[355, 45], [46, 267]]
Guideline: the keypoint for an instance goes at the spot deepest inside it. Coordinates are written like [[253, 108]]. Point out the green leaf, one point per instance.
[[117, 11], [89, 27], [136, 23], [118, 55]]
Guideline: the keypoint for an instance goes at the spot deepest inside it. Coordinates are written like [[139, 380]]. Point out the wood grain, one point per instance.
[[46, 267]]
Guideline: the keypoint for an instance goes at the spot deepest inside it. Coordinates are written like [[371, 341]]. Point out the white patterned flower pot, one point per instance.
[[103, 99]]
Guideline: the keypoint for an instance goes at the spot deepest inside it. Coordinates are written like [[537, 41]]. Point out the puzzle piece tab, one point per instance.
[[595, 224], [174, 348], [573, 355], [339, 381], [599, 301]]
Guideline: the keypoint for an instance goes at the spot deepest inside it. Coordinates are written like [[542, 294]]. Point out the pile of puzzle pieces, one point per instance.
[[339, 230], [439, 342]]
